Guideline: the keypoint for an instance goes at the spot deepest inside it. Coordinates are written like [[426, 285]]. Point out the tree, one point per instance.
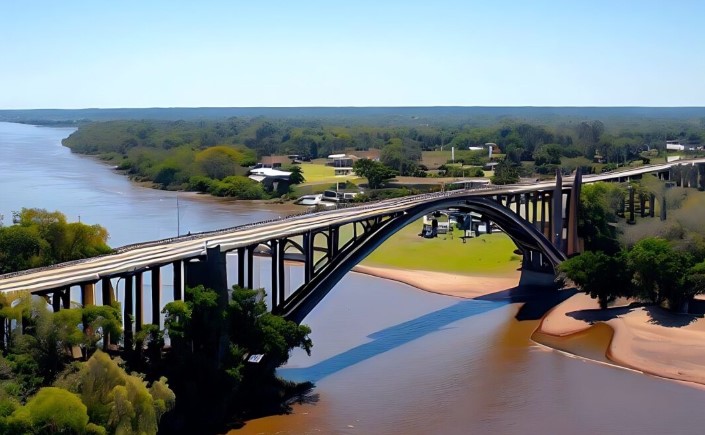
[[52, 410], [505, 173], [660, 272], [597, 216], [375, 172], [297, 175], [601, 276], [120, 402], [220, 161], [41, 238]]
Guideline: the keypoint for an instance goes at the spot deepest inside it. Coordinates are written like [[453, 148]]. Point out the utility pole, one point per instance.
[[178, 216]]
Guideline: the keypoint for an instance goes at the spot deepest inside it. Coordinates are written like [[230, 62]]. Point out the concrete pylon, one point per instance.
[[573, 210], [557, 217]]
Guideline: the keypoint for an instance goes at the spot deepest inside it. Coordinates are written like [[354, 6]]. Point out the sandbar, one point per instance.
[[464, 286], [644, 338]]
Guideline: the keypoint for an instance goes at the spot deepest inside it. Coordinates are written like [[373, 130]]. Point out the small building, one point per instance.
[[342, 163], [274, 161], [674, 145], [271, 179], [341, 160]]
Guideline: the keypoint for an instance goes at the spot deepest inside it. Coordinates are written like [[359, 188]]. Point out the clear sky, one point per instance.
[[172, 53]]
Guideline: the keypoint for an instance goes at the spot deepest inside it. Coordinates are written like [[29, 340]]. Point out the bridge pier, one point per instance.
[[178, 266], [139, 301], [128, 309], [88, 294], [156, 295], [106, 288]]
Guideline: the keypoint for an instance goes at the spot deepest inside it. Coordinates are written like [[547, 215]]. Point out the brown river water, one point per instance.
[[387, 358]]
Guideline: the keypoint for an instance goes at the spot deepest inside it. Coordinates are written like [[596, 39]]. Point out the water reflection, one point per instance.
[[390, 338]]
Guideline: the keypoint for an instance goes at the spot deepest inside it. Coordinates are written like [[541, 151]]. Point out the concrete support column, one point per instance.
[[274, 252], [652, 204], [308, 256], [545, 212], [251, 266], [88, 294], [631, 205], [66, 298], [557, 215], [156, 296], [139, 302], [178, 280], [642, 204], [128, 313], [282, 272], [56, 300], [241, 267], [106, 289]]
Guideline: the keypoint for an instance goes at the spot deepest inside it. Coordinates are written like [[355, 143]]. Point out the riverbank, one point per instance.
[[463, 286], [643, 338]]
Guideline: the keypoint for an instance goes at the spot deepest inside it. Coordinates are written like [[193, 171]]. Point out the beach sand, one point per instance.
[[463, 286], [643, 338]]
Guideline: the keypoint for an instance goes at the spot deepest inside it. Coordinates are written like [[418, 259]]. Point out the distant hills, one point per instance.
[[366, 115]]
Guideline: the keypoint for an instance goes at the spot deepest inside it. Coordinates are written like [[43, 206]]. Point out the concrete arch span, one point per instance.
[[540, 255]]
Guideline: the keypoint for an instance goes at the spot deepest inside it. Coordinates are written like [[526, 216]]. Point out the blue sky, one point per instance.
[[171, 53]]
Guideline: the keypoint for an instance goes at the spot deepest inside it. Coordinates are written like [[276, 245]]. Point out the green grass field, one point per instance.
[[489, 254], [316, 173]]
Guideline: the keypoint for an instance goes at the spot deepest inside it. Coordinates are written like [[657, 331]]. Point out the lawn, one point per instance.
[[316, 173], [489, 254]]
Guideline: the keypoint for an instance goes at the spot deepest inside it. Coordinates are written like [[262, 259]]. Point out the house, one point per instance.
[[271, 179], [274, 161], [342, 163], [674, 145]]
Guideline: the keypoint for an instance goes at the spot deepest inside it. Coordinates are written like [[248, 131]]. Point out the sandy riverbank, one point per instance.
[[647, 339], [643, 338], [463, 286]]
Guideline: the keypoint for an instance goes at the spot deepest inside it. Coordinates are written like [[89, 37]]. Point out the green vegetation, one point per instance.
[[377, 173], [489, 254], [204, 155], [56, 378], [210, 344], [41, 238], [664, 267], [51, 362]]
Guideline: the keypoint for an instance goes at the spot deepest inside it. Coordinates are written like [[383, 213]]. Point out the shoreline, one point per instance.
[[644, 339], [462, 286]]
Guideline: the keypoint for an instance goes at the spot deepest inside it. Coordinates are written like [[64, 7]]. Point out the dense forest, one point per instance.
[[213, 155]]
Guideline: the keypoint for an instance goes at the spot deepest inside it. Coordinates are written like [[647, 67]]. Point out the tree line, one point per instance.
[[213, 155]]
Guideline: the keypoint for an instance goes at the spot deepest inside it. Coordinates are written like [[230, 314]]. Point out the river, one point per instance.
[[387, 358]]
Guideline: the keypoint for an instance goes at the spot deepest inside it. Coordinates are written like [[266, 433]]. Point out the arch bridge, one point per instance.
[[541, 218]]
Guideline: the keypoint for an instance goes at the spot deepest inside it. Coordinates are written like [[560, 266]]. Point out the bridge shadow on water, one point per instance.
[[536, 303]]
